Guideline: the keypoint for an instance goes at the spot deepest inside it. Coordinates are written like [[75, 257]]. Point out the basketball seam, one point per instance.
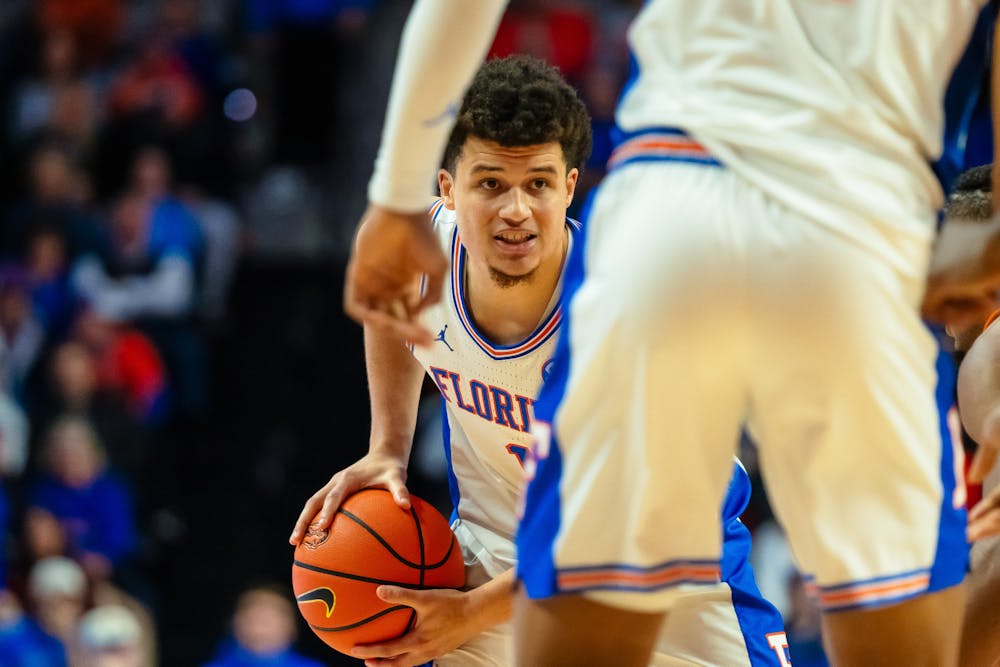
[[418, 566], [359, 577], [420, 541], [341, 628]]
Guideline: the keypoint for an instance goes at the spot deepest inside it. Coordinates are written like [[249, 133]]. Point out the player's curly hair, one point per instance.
[[521, 100], [972, 197]]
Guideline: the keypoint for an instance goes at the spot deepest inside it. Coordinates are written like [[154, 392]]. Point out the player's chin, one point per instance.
[[511, 274]]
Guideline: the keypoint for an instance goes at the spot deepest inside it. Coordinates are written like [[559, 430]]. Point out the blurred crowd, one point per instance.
[[148, 148]]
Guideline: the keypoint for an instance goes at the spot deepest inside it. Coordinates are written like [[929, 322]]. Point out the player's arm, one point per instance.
[[442, 45], [981, 629], [394, 383], [979, 407], [446, 619], [995, 113]]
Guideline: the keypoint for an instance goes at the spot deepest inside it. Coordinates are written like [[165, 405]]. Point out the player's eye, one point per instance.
[[539, 184], [489, 184]]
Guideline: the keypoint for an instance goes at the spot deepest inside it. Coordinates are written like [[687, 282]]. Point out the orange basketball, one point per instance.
[[372, 542]]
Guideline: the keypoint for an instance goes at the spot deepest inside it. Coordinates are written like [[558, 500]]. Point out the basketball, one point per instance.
[[372, 542]]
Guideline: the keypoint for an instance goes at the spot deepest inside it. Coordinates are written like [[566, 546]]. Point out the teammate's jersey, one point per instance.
[[830, 106], [488, 392]]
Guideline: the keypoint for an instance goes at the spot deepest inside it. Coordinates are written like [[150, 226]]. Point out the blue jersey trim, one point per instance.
[[756, 616], [951, 559], [453, 488], [541, 518]]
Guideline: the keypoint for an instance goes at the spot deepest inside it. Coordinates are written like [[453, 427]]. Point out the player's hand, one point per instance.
[[987, 437], [377, 470], [984, 518], [391, 252], [963, 282], [444, 622]]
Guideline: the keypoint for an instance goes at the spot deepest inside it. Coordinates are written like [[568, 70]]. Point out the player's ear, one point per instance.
[[446, 186], [571, 178]]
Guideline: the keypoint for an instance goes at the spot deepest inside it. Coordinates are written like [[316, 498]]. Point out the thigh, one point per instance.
[[849, 404], [646, 395], [712, 626], [492, 648]]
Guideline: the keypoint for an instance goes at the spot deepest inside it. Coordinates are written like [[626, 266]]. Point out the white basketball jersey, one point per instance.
[[816, 102], [488, 392]]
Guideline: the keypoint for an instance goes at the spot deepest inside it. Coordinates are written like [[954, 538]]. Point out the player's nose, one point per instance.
[[515, 206]]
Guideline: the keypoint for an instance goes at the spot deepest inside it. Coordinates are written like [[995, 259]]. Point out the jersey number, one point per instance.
[[518, 451]]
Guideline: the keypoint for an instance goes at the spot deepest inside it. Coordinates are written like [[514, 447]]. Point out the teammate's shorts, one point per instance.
[[696, 305], [728, 623]]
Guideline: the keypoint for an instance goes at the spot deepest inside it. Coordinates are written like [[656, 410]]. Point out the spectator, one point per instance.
[[222, 228], [23, 642], [111, 636], [21, 334], [200, 49], [46, 260], [91, 503], [34, 98], [15, 429], [57, 596], [218, 223], [57, 197], [263, 631], [154, 97], [73, 388], [43, 537], [60, 102], [95, 24], [127, 364], [156, 85], [150, 269], [150, 276]]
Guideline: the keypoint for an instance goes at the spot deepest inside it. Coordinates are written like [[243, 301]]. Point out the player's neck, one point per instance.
[[507, 315]]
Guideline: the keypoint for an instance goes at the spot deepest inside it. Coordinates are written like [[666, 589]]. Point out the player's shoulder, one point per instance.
[[994, 316], [438, 212], [444, 221]]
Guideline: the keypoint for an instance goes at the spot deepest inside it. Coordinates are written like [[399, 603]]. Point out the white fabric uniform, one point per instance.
[[756, 257], [488, 392]]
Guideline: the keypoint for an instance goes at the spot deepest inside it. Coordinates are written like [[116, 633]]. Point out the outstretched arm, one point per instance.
[[979, 400], [981, 629], [443, 43]]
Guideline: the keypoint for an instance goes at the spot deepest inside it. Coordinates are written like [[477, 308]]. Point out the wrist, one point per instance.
[[488, 605]]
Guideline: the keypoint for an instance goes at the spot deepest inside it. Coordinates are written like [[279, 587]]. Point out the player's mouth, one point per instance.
[[515, 238]]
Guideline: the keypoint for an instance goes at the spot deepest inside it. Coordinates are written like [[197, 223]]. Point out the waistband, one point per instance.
[[659, 144]]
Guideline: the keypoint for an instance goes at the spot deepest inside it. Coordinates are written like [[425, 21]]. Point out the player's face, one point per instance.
[[511, 205]]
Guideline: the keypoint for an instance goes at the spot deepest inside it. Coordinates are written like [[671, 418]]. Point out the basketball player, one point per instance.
[[512, 164], [979, 406], [757, 256]]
